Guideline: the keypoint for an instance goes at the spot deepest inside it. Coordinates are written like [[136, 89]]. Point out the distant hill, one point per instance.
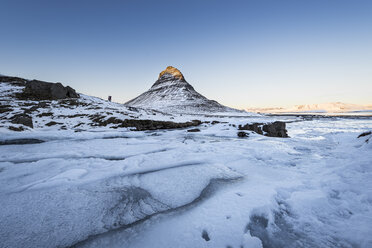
[[333, 107]]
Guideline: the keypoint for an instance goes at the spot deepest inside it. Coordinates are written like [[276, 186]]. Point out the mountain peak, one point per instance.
[[173, 71], [172, 93]]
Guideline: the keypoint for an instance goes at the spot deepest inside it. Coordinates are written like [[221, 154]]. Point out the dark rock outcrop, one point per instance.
[[242, 134], [364, 134], [20, 141], [39, 90], [367, 135], [13, 80], [193, 130], [142, 125], [52, 123], [16, 129], [275, 129], [255, 127], [23, 119], [5, 108]]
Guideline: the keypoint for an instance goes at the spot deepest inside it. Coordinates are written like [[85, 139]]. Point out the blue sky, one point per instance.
[[240, 53]]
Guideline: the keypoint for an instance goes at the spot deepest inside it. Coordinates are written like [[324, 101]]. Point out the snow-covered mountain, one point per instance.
[[172, 93], [332, 107]]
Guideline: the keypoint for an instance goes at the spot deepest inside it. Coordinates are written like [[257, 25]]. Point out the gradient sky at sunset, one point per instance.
[[240, 53]]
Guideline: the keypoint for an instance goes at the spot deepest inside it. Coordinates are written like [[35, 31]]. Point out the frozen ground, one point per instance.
[[172, 188]]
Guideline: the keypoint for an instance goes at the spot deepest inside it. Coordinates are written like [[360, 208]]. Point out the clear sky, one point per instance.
[[241, 53]]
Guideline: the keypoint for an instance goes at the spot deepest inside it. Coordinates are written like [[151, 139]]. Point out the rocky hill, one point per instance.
[[27, 105], [172, 93]]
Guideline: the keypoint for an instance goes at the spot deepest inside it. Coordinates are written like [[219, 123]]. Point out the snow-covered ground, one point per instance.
[[103, 187]]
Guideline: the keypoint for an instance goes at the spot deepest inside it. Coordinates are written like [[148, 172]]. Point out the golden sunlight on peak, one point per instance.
[[172, 70]]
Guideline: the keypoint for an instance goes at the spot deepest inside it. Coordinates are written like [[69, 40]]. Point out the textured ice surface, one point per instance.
[[181, 189]]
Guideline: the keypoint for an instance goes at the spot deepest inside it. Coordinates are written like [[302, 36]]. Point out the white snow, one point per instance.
[[313, 189], [94, 186]]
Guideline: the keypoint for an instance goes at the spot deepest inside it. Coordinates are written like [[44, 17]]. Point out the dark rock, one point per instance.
[[78, 125], [205, 235], [364, 134], [39, 90], [52, 123], [45, 114], [275, 129], [13, 80], [72, 102], [30, 110], [34, 107], [242, 134], [193, 130], [22, 119], [42, 104], [142, 125], [20, 141], [214, 122], [255, 127], [5, 108], [77, 115], [16, 129]]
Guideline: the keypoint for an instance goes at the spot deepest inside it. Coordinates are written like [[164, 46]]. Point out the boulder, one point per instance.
[[275, 129], [39, 90], [255, 127]]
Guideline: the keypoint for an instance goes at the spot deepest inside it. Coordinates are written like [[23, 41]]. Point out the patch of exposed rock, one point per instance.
[[23, 119], [242, 134], [5, 108], [194, 130], [367, 135], [142, 125], [275, 129], [364, 134], [20, 141]]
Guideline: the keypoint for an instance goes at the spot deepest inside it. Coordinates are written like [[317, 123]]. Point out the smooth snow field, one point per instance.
[[173, 188]]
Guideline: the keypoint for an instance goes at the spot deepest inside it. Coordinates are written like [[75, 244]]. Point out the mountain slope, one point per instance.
[[172, 93]]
